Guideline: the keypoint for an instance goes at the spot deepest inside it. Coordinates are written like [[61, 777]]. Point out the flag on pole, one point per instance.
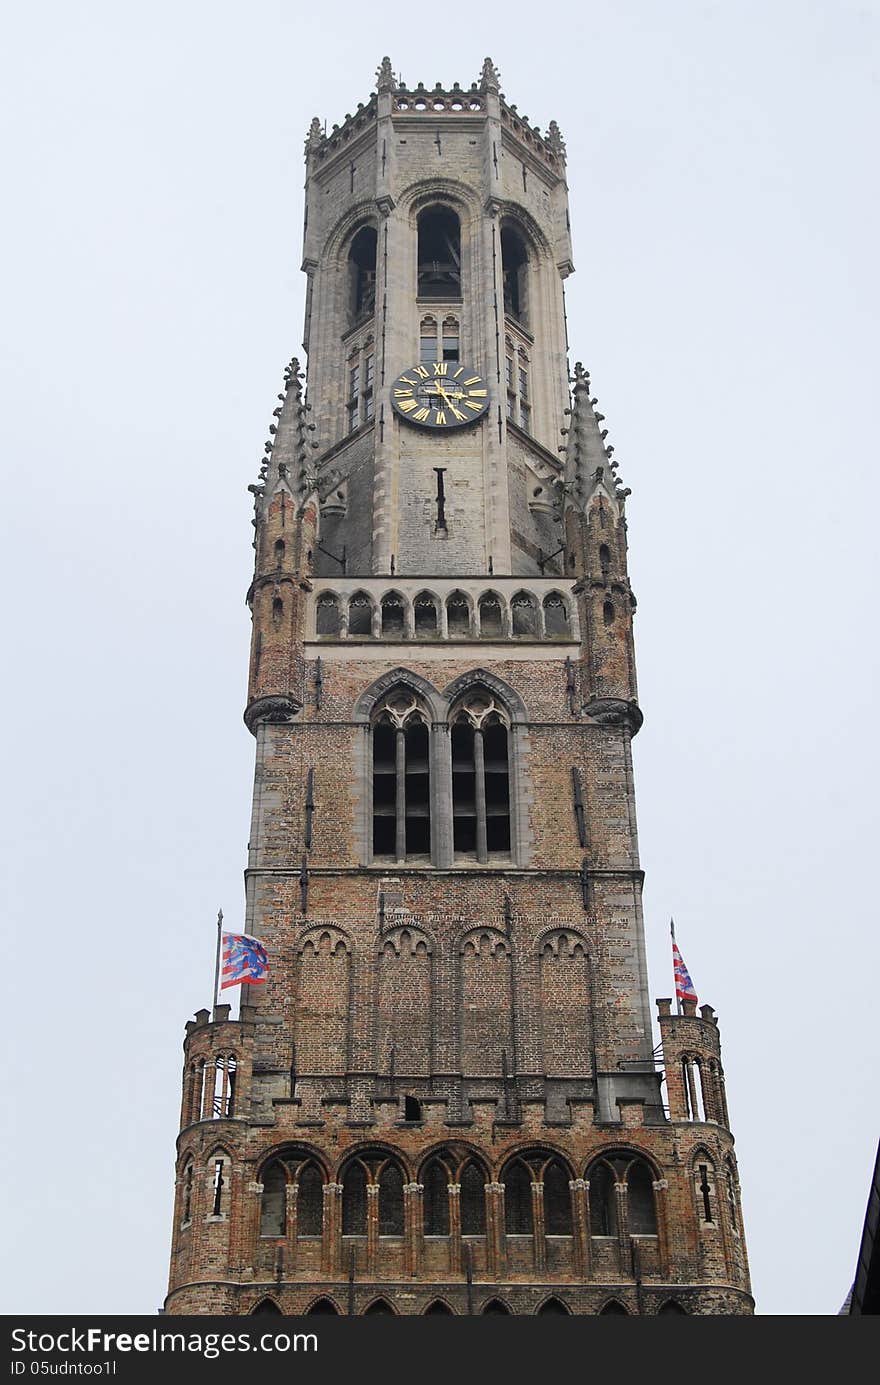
[[244, 961], [684, 986]]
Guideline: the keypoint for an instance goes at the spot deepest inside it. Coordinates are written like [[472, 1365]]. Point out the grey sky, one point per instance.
[[722, 165]]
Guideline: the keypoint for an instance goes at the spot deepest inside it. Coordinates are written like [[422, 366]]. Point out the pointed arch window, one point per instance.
[[401, 779], [439, 254], [515, 272], [621, 1170], [362, 274], [480, 778], [425, 615]]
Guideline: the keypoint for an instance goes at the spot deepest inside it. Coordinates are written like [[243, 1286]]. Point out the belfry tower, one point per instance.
[[446, 1098]]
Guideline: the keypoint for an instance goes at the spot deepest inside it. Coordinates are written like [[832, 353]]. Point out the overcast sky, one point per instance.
[[724, 206]]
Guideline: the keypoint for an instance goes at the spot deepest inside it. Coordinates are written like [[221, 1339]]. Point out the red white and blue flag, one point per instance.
[[244, 961], [684, 986]]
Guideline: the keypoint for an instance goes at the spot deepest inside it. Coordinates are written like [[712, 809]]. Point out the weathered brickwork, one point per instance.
[[445, 1097]]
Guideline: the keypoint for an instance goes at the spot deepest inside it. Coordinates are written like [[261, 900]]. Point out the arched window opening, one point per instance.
[[379, 1306], [360, 615], [692, 1072], [554, 1306], [393, 616], [310, 1202], [608, 612], [514, 267], [642, 1215], [518, 1220], [354, 1200], [267, 1307], [425, 616], [472, 1201], [438, 1306], [384, 789], [277, 611], [491, 620], [218, 1184], [273, 1200], [557, 1200], [428, 341], [390, 1201], [703, 1187], [615, 1309], [186, 1209], [279, 552], [451, 340], [480, 780], [225, 1069], [439, 255], [196, 1091], [670, 1306], [524, 392], [327, 621], [458, 616], [435, 1199], [603, 1201], [555, 617], [412, 1108], [495, 1306], [604, 559], [524, 616], [322, 1306], [362, 274], [401, 780]]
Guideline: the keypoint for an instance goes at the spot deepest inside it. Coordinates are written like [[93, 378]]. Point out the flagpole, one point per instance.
[[674, 981], [217, 958]]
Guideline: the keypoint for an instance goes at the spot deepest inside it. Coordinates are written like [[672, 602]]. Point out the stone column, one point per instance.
[[495, 1244], [580, 1227], [291, 1209], [539, 1244], [441, 794], [692, 1088], [661, 1189], [372, 1229], [331, 1241], [400, 796], [480, 796], [413, 1227], [623, 1257], [456, 1255]]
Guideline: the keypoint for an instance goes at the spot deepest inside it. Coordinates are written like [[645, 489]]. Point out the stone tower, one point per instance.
[[446, 1098]]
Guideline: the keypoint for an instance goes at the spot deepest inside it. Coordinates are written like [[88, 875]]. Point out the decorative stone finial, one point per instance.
[[557, 143], [490, 77], [384, 75], [315, 134]]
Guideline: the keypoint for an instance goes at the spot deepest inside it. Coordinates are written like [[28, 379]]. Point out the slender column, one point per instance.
[[331, 1243], [539, 1243], [579, 1228], [441, 794], [495, 1256], [661, 1189], [400, 799], [456, 1259], [372, 1229], [208, 1089], [588, 1233], [291, 1212], [480, 795], [413, 1224], [622, 1228]]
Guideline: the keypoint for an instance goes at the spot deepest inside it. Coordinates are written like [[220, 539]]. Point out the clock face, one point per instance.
[[442, 395]]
